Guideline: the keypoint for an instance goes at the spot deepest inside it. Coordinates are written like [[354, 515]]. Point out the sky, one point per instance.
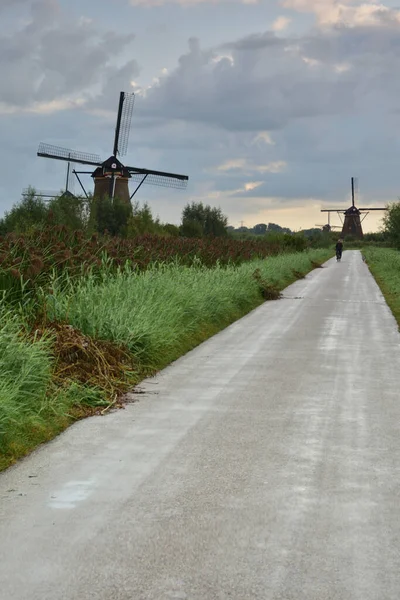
[[269, 106]]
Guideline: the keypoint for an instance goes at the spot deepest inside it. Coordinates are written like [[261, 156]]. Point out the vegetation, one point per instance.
[[384, 264], [95, 297], [160, 313], [33, 408], [391, 224], [259, 229], [101, 333], [27, 262], [199, 220], [102, 215]]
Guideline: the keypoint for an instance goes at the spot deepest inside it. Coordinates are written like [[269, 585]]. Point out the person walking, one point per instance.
[[339, 249]]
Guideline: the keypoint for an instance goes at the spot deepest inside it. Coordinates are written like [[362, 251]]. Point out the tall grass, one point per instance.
[[162, 312], [384, 264], [25, 374], [159, 314], [32, 410]]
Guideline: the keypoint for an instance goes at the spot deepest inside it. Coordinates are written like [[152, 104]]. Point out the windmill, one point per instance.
[[353, 216], [328, 227], [68, 192], [111, 177]]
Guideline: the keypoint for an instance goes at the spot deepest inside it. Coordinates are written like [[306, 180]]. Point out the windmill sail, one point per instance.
[[59, 153], [123, 127], [159, 178]]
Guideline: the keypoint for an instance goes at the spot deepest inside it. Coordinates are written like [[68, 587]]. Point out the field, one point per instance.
[[84, 320], [384, 264]]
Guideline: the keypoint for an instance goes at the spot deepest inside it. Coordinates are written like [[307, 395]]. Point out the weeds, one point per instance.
[[384, 264]]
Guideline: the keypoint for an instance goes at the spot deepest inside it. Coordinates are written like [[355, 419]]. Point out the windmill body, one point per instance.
[[352, 223], [353, 216], [111, 177]]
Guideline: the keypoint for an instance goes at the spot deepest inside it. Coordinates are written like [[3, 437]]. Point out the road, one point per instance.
[[263, 465]]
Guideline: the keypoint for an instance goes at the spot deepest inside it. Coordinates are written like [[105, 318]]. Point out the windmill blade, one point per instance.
[[354, 189], [42, 193], [168, 182], [70, 181], [368, 209], [124, 119], [160, 178], [59, 153]]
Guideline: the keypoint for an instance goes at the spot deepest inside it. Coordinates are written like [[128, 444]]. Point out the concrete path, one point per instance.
[[263, 465]]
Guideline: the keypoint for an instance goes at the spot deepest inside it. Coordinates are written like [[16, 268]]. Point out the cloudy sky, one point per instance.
[[269, 106]]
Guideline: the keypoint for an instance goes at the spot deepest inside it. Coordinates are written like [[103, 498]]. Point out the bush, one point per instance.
[[391, 223]]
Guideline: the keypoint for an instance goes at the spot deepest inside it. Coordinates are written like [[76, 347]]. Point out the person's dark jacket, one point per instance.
[[339, 247]]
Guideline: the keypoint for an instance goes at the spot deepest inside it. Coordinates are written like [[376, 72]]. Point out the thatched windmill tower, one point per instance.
[[353, 216]]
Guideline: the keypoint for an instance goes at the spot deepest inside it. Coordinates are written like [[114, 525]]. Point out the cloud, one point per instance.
[[269, 82], [55, 60], [223, 194], [351, 13], [281, 23], [187, 3], [322, 102], [243, 164], [41, 107], [264, 87], [264, 137], [5, 4]]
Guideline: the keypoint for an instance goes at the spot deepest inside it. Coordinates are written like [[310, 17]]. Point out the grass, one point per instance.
[[161, 313], [103, 334], [32, 410], [384, 264]]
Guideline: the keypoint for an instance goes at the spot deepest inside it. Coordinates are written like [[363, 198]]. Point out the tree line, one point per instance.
[[116, 218], [105, 216]]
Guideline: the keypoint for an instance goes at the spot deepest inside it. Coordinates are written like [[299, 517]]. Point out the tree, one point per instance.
[[391, 223], [210, 221], [69, 210], [29, 213], [172, 230], [275, 227], [191, 228], [260, 229], [142, 221], [109, 215]]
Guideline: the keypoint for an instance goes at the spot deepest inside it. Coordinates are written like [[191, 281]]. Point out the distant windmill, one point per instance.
[[111, 177], [69, 191], [353, 216], [328, 227]]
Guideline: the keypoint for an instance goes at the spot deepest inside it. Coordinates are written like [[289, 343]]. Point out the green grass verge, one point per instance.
[[159, 315], [162, 313], [32, 410], [384, 264]]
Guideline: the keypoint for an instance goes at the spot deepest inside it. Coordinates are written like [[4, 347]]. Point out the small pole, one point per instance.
[[80, 183], [68, 169], [139, 186]]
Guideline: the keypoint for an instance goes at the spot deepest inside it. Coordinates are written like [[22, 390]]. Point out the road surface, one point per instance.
[[262, 465]]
